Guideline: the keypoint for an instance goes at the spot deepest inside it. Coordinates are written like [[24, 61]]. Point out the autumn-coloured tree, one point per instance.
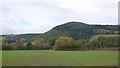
[[40, 44], [65, 43], [21, 44]]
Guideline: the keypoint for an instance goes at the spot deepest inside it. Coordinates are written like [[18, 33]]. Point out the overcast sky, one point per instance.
[[39, 16]]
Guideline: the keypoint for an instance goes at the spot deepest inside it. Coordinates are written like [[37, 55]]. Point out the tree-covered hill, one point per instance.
[[79, 30]]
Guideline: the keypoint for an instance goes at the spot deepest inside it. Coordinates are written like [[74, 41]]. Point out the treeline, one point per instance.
[[62, 43]]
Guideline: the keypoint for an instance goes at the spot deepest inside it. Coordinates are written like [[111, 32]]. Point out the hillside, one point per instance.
[[103, 35], [79, 30], [19, 36]]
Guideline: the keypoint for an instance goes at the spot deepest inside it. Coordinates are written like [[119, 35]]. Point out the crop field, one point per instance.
[[59, 58]]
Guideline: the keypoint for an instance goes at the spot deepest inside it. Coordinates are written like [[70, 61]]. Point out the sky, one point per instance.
[[39, 16]]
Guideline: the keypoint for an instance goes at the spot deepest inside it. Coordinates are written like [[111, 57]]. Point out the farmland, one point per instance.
[[59, 58], [0, 58]]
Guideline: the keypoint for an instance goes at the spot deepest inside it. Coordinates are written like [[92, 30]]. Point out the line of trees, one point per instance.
[[61, 43]]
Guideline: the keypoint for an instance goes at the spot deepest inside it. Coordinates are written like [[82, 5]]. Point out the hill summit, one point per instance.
[[79, 30]]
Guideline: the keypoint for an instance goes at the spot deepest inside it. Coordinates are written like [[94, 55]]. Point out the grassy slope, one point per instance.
[[51, 35], [104, 35], [60, 58]]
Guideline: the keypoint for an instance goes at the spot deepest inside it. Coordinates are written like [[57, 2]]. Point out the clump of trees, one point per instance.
[[40, 44], [104, 42], [65, 43], [61, 43], [8, 46], [20, 44]]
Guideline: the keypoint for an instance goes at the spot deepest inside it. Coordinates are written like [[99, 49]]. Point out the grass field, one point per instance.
[[59, 58], [0, 58]]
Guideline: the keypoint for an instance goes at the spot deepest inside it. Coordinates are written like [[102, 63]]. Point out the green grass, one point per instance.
[[0, 58], [103, 35], [59, 58]]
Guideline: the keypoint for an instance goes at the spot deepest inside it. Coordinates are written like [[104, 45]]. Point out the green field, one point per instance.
[[59, 58], [0, 58]]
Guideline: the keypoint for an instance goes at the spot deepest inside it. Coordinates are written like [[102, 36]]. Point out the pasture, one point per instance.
[[59, 58]]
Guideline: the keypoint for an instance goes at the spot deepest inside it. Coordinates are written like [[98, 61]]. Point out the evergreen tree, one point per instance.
[[29, 45]]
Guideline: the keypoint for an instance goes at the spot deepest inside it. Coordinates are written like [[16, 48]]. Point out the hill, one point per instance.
[[79, 30], [19, 36]]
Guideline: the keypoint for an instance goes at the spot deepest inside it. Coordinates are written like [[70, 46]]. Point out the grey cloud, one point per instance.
[[41, 16]]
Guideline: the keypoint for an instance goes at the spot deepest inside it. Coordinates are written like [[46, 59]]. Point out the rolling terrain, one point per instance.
[[78, 44]]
